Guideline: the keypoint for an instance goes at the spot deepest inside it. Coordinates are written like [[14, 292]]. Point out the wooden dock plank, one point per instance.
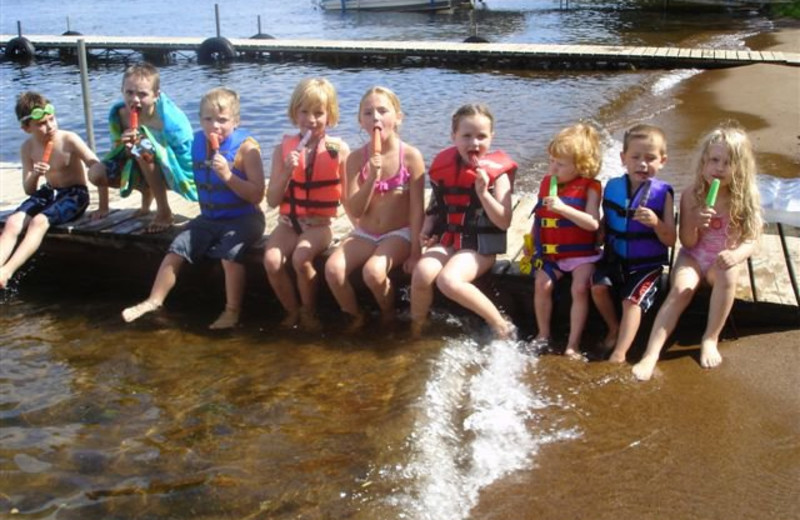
[[449, 52]]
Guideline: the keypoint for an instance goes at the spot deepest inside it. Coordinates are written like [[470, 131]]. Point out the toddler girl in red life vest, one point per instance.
[[567, 218], [306, 182], [465, 226]]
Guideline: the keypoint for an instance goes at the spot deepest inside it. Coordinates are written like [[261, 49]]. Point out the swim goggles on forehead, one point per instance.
[[38, 113]]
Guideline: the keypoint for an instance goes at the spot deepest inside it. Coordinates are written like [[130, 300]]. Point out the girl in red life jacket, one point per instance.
[[565, 230], [384, 197], [306, 182], [466, 224]]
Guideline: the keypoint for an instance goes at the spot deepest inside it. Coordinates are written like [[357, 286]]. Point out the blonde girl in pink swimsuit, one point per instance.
[[715, 241], [384, 197]]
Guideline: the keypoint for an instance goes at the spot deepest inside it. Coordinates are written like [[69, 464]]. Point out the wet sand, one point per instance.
[[691, 443]]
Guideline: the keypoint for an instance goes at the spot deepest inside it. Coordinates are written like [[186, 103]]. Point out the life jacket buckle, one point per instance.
[[549, 222], [550, 249]]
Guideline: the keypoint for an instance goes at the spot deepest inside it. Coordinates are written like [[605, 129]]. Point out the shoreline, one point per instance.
[[763, 98]]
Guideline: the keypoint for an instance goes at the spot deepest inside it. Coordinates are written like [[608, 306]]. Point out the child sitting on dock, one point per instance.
[[720, 225], [639, 229], [229, 176], [306, 182], [385, 196], [152, 141], [59, 157], [466, 222], [567, 218]]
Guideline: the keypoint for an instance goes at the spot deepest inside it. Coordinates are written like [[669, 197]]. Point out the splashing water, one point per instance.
[[472, 428]]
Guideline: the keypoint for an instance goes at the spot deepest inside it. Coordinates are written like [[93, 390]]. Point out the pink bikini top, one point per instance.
[[399, 180]]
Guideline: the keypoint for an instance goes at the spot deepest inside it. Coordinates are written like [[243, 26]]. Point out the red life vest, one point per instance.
[[556, 237], [463, 223], [314, 191]]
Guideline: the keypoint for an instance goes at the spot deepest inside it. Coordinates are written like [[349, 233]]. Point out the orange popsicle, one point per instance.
[[48, 149], [213, 139], [134, 118], [376, 141]]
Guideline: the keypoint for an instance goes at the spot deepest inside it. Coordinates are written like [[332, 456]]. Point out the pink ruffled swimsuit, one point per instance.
[[711, 243], [398, 181]]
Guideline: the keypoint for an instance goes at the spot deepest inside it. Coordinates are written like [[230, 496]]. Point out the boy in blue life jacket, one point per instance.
[[229, 176], [639, 228]]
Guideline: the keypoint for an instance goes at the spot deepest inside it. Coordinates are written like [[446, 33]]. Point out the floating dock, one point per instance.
[[407, 53]]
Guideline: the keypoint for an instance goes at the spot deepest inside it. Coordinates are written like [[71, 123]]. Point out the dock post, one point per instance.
[[216, 18], [87, 101], [788, 258]]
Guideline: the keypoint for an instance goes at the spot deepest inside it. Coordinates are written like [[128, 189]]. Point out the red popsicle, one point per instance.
[[134, 118], [213, 139]]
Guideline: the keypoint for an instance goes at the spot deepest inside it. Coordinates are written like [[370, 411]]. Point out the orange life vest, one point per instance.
[[314, 189], [462, 223]]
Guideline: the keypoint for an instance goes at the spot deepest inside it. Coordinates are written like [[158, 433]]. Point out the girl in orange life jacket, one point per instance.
[[306, 181], [385, 198], [565, 230], [465, 227]]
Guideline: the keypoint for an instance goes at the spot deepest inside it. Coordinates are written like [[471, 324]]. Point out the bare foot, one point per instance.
[[505, 331], [291, 319], [643, 370], [159, 224], [309, 321], [140, 309], [617, 357], [355, 322], [416, 328], [98, 214], [227, 320], [709, 354], [5, 276], [573, 353]]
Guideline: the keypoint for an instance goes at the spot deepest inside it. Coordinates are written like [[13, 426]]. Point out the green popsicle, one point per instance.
[[553, 186], [711, 198]]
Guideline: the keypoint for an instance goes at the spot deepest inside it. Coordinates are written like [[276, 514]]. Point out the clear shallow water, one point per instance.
[[163, 420]]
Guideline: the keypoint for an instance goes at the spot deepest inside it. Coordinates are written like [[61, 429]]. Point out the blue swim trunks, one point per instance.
[[58, 205], [219, 239]]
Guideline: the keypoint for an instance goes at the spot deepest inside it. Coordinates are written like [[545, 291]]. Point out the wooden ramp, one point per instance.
[[424, 53]]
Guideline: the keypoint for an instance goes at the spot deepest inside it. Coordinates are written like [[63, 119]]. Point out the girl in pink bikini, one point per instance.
[[714, 241], [384, 193]]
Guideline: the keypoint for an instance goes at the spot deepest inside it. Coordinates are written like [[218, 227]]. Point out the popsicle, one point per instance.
[[213, 139], [711, 198], [553, 186], [645, 196], [134, 118], [48, 149], [304, 141], [473, 159], [376, 141]]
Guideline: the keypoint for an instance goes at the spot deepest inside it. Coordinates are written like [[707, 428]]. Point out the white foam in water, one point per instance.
[[472, 429], [668, 81]]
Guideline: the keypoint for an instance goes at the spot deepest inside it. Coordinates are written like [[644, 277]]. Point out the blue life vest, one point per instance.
[[217, 200], [627, 241]]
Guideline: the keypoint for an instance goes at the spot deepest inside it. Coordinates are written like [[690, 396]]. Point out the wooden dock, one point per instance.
[[121, 236], [418, 53]]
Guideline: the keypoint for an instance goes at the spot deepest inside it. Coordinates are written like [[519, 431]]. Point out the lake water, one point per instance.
[[161, 419]]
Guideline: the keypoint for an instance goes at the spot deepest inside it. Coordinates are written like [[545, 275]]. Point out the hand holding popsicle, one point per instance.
[[303, 141], [711, 198]]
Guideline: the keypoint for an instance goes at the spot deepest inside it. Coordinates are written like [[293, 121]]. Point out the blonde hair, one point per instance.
[[221, 98], [581, 143], [383, 91], [644, 132], [315, 92], [745, 202], [471, 109]]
